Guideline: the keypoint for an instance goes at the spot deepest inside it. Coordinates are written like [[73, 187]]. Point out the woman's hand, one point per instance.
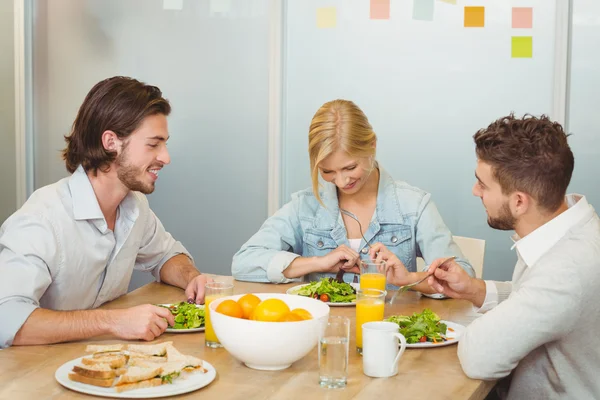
[[342, 258], [395, 271]]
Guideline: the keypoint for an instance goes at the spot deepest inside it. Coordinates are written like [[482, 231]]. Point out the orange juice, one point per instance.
[[372, 281], [209, 333], [367, 310]]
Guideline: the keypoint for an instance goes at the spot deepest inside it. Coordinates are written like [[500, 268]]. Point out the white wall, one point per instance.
[[584, 104], [8, 199]]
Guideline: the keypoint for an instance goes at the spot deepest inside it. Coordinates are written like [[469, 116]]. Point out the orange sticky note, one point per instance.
[[522, 17], [326, 17], [474, 17], [522, 47], [380, 9]]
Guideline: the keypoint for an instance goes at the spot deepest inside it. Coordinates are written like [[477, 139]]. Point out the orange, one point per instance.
[[230, 308], [248, 302], [270, 310], [302, 313], [290, 317]]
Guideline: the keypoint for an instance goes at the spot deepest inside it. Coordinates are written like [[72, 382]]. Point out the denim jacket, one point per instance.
[[405, 220]]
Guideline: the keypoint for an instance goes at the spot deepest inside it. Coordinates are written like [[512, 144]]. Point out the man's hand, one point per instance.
[[145, 322], [453, 281], [194, 291], [395, 271], [343, 258]]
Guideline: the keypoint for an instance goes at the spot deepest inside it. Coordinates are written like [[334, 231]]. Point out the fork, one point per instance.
[[404, 288], [354, 217]]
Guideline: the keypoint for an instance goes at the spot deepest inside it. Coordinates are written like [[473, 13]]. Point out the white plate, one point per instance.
[[171, 330], [458, 331], [187, 382], [295, 289]]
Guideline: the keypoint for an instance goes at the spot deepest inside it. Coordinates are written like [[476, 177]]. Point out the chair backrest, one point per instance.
[[473, 249]]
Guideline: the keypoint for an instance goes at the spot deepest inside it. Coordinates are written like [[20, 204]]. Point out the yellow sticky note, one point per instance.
[[326, 17], [449, 1], [522, 47], [474, 17]]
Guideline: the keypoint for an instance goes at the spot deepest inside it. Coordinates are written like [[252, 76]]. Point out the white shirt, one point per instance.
[[544, 327], [57, 252]]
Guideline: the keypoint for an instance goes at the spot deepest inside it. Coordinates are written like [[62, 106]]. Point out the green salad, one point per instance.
[[187, 316], [329, 290], [421, 327]]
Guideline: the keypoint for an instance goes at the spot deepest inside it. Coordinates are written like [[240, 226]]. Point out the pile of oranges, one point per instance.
[[251, 307]]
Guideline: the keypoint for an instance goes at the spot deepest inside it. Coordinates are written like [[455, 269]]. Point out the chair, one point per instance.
[[473, 250]]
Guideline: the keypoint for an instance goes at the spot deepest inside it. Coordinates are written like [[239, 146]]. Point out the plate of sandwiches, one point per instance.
[[135, 371]]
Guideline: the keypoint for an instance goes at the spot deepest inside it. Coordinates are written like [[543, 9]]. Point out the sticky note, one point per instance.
[[449, 1], [172, 4], [522, 17], [423, 10], [220, 6], [326, 17], [522, 47], [474, 17], [380, 9]]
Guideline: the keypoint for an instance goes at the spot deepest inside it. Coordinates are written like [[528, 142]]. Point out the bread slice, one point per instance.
[[139, 385], [96, 371], [146, 357], [189, 362], [158, 349], [91, 381], [109, 353], [140, 362], [113, 361], [104, 348], [136, 374]]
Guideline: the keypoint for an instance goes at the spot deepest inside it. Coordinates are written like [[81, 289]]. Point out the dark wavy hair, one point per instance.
[[530, 155], [117, 104]]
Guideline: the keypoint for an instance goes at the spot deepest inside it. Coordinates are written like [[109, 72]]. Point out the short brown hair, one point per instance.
[[117, 104], [530, 155]]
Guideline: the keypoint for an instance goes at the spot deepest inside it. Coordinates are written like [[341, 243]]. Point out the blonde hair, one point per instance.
[[338, 124]]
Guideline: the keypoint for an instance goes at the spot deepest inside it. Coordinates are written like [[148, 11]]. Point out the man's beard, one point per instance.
[[128, 175], [505, 221]]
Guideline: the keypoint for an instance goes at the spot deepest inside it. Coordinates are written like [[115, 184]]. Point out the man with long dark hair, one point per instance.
[[73, 244]]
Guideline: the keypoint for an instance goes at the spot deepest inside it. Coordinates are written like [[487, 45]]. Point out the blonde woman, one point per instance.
[[310, 238]]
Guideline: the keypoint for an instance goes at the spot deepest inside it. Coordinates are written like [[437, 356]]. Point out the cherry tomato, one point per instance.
[[325, 297], [423, 339]]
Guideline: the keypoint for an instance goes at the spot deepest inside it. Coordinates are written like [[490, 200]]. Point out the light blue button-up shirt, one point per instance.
[[406, 221], [58, 253]]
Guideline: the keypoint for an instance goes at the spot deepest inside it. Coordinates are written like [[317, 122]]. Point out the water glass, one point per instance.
[[214, 290], [334, 337]]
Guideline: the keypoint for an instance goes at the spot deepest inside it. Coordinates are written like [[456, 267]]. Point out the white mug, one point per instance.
[[380, 349]]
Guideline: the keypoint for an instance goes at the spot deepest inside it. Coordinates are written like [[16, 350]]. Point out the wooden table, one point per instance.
[[28, 372]]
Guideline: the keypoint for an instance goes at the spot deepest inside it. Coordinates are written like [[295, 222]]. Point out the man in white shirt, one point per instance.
[[74, 244], [542, 327]]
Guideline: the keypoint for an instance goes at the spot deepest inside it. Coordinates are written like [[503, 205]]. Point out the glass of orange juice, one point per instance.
[[369, 308], [372, 275], [214, 290]]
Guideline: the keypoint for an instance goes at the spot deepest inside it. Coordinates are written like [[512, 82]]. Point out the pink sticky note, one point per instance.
[[380, 9], [522, 17]]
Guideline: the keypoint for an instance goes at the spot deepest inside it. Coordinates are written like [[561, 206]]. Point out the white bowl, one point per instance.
[[269, 345]]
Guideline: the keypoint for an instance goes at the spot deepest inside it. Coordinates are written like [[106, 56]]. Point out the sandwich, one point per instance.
[[113, 361], [98, 375], [139, 378], [108, 348], [146, 358], [189, 362], [159, 349]]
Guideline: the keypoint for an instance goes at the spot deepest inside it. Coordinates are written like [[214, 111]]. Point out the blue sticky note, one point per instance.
[[423, 10]]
